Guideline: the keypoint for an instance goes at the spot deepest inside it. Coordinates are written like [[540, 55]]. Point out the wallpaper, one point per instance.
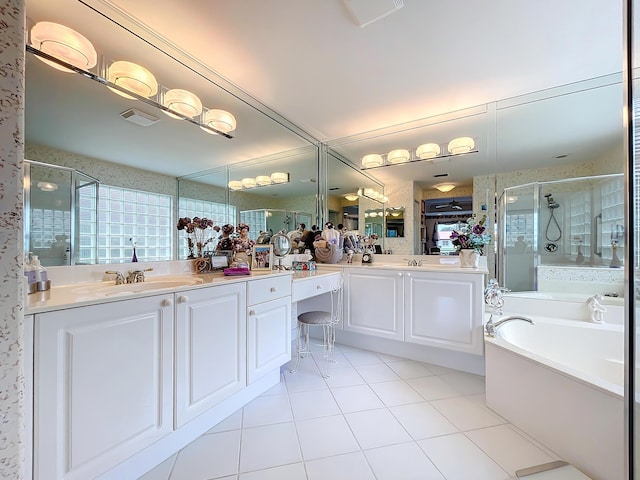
[[12, 348]]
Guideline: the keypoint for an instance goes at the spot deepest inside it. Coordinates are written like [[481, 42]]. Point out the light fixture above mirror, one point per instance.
[[275, 178], [427, 151], [67, 50]]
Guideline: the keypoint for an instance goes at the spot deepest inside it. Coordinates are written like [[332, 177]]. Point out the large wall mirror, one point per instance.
[[350, 197], [560, 188], [75, 122]]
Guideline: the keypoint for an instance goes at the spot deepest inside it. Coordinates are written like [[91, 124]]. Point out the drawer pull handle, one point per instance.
[[166, 302], [273, 289], [183, 299], [252, 312]]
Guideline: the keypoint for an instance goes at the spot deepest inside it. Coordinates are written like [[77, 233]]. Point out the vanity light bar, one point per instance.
[[276, 178], [426, 152], [74, 53], [372, 194]]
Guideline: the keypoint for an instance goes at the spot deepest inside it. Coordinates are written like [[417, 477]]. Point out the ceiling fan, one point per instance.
[[453, 205]]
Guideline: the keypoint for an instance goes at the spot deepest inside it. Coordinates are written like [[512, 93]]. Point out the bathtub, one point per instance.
[[561, 381]]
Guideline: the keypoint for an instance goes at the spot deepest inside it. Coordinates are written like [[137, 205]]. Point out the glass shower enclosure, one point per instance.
[[575, 223], [60, 212]]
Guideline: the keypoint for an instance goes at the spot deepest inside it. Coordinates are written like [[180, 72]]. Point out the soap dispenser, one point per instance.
[[29, 275], [42, 281]]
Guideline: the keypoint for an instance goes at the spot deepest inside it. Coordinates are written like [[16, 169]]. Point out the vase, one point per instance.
[[469, 258]]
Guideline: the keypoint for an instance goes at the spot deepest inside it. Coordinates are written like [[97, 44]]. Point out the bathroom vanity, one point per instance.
[[123, 377]]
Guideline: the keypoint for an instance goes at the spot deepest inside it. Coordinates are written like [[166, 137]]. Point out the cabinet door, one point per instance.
[[374, 302], [210, 348], [444, 310], [268, 337], [103, 385]]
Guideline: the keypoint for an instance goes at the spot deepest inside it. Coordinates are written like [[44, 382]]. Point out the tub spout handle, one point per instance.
[[492, 327]]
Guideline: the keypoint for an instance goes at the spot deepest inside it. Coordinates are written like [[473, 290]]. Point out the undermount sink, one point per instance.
[[128, 288]]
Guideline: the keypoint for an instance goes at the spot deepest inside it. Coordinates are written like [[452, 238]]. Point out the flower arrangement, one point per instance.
[[471, 235], [198, 235]]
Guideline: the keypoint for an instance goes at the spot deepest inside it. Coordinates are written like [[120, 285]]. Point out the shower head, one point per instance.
[[551, 203]]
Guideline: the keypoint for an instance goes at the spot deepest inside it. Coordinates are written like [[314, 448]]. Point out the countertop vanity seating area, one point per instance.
[[123, 376]]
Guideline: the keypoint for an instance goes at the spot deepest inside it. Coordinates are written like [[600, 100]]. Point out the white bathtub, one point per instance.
[[561, 381]]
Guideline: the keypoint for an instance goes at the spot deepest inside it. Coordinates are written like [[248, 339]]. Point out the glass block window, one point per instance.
[[87, 225], [46, 224], [125, 215], [219, 213]]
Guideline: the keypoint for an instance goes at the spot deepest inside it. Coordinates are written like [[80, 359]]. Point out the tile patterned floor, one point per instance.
[[376, 417]]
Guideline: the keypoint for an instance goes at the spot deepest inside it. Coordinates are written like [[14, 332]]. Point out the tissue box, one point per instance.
[[297, 265]]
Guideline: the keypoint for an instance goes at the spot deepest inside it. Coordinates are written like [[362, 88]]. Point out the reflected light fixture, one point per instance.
[[373, 214], [263, 180], [248, 182], [65, 44], [428, 150], [512, 199], [460, 145], [47, 186], [183, 102], [352, 197], [395, 157], [279, 177], [132, 77], [445, 187], [235, 185], [372, 160], [220, 120]]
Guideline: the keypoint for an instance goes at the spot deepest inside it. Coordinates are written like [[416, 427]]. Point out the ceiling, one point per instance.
[[312, 63]]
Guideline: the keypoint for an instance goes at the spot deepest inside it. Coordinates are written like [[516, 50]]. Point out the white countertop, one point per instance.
[[88, 285]]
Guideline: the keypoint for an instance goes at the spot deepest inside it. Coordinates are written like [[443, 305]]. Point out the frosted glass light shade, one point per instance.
[[132, 77], [372, 160], [352, 197], [461, 145], [279, 177], [248, 182], [512, 199], [395, 157], [368, 192], [445, 187], [48, 186], [219, 120], [235, 185], [373, 214], [63, 43], [183, 102], [263, 180], [428, 150]]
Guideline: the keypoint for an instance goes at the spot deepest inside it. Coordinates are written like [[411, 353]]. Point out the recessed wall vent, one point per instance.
[[365, 12], [138, 117], [441, 175]]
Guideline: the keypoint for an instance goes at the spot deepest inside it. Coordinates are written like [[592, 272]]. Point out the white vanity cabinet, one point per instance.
[[434, 308], [444, 310], [210, 348], [374, 302], [268, 325], [103, 381]]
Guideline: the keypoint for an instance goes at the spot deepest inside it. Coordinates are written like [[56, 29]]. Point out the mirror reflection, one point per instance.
[[394, 219]]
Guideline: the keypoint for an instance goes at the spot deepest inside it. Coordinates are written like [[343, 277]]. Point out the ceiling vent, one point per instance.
[[365, 12], [139, 118]]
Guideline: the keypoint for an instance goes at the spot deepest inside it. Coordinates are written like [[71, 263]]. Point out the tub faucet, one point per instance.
[[596, 309], [492, 327]]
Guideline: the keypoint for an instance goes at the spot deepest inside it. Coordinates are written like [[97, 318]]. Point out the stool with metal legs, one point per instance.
[[328, 322]]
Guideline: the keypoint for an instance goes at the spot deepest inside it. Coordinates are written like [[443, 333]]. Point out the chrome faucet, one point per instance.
[[493, 295], [492, 327], [137, 276], [119, 276]]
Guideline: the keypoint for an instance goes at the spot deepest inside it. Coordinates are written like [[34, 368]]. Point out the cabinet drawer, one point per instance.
[[310, 287], [266, 289]]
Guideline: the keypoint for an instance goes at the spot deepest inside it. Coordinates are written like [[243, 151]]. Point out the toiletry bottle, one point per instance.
[[29, 270], [65, 258], [41, 272]]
